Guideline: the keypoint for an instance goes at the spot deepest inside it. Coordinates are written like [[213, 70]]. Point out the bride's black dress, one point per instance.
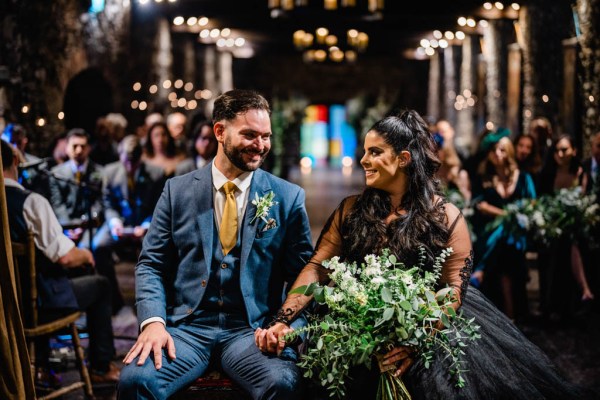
[[502, 364]]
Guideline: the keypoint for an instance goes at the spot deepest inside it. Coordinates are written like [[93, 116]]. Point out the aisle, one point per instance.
[[325, 188]]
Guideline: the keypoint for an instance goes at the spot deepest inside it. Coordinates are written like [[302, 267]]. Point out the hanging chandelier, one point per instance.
[[324, 46], [279, 7]]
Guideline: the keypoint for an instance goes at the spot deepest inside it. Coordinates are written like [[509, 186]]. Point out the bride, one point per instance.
[[402, 209]]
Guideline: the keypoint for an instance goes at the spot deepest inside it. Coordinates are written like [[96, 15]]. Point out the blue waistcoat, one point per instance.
[[223, 291]]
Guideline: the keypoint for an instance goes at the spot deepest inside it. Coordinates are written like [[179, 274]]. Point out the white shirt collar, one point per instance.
[[242, 181], [12, 183], [81, 168]]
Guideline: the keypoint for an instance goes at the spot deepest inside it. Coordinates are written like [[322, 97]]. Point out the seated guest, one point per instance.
[[57, 151], [130, 190], [31, 178], [104, 150], [75, 186], [29, 211], [203, 150], [151, 119], [176, 123], [159, 149]]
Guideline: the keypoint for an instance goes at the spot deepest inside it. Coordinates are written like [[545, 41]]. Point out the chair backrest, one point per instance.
[[25, 274]]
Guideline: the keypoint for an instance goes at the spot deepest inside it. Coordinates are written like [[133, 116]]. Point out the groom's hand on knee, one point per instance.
[[153, 339]]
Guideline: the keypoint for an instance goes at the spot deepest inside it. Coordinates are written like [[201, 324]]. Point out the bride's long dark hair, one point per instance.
[[424, 223]]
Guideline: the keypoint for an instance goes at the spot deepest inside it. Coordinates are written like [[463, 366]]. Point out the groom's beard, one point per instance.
[[236, 157]]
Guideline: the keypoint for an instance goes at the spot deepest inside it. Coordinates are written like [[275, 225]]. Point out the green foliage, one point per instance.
[[565, 214], [376, 306]]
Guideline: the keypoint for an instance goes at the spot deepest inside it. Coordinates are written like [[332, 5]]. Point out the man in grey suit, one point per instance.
[[75, 186], [223, 243]]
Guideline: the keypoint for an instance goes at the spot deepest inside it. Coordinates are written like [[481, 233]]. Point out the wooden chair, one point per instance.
[[28, 301], [212, 386]]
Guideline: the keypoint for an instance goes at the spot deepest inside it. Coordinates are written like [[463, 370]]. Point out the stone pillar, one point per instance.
[[162, 61], [210, 76], [465, 128], [588, 12], [189, 61], [225, 71], [542, 58], [513, 94], [433, 90], [570, 106], [450, 85], [496, 38]]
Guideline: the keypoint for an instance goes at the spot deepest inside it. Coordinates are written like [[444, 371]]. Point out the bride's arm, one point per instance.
[[457, 269], [328, 246]]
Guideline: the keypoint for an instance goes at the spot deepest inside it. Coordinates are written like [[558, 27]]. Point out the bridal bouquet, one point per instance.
[[374, 307]]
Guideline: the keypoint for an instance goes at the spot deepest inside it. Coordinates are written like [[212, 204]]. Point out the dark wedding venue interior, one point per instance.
[[101, 98]]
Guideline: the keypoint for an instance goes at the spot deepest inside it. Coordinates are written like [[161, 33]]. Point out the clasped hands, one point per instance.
[[272, 340]]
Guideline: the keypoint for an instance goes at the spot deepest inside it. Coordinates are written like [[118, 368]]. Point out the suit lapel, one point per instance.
[[261, 185], [205, 219], [122, 181]]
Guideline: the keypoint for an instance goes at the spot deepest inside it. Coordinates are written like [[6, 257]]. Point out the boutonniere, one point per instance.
[[263, 205], [96, 176]]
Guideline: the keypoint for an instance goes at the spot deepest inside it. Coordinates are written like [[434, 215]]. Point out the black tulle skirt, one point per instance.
[[502, 364]]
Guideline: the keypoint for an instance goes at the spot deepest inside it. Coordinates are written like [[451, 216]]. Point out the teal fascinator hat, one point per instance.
[[491, 139]]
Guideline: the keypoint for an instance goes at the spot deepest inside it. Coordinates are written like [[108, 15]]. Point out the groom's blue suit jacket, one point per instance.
[[174, 267]]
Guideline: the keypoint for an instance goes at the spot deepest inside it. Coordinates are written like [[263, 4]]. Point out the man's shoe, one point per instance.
[[111, 376]]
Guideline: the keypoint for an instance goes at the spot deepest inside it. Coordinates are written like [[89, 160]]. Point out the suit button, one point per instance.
[[203, 283], [189, 311], [224, 266]]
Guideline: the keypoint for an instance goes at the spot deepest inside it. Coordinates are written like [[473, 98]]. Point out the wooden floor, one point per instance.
[[573, 347]]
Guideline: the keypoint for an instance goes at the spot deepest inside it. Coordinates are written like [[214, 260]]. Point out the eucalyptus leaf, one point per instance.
[[386, 295], [405, 305], [388, 313], [319, 295]]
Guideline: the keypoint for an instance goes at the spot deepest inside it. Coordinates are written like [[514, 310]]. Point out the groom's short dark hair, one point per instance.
[[230, 104]]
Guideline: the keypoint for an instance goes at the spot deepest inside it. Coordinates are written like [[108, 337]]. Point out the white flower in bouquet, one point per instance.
[[523, 221], [538, 218], [378, 305]]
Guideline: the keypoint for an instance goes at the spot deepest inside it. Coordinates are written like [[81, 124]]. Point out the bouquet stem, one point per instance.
[[391, 387]]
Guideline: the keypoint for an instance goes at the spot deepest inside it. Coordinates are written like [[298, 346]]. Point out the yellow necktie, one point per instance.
[[229, 223]]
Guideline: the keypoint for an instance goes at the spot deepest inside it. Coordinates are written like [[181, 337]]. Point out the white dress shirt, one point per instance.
[[40, 219]]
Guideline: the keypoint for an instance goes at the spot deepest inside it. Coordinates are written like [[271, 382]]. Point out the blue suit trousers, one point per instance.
[[225, 337]]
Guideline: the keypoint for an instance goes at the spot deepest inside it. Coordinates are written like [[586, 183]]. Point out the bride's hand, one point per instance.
[[401, 357], [271, 340]]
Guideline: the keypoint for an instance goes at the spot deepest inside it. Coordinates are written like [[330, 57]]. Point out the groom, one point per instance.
[[212, 269]]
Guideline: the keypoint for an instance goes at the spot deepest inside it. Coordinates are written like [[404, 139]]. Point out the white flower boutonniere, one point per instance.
[[263, 205]]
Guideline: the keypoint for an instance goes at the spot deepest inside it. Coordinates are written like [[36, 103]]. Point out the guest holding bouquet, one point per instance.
[[402, 210], [499, 253], [563, 278]]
